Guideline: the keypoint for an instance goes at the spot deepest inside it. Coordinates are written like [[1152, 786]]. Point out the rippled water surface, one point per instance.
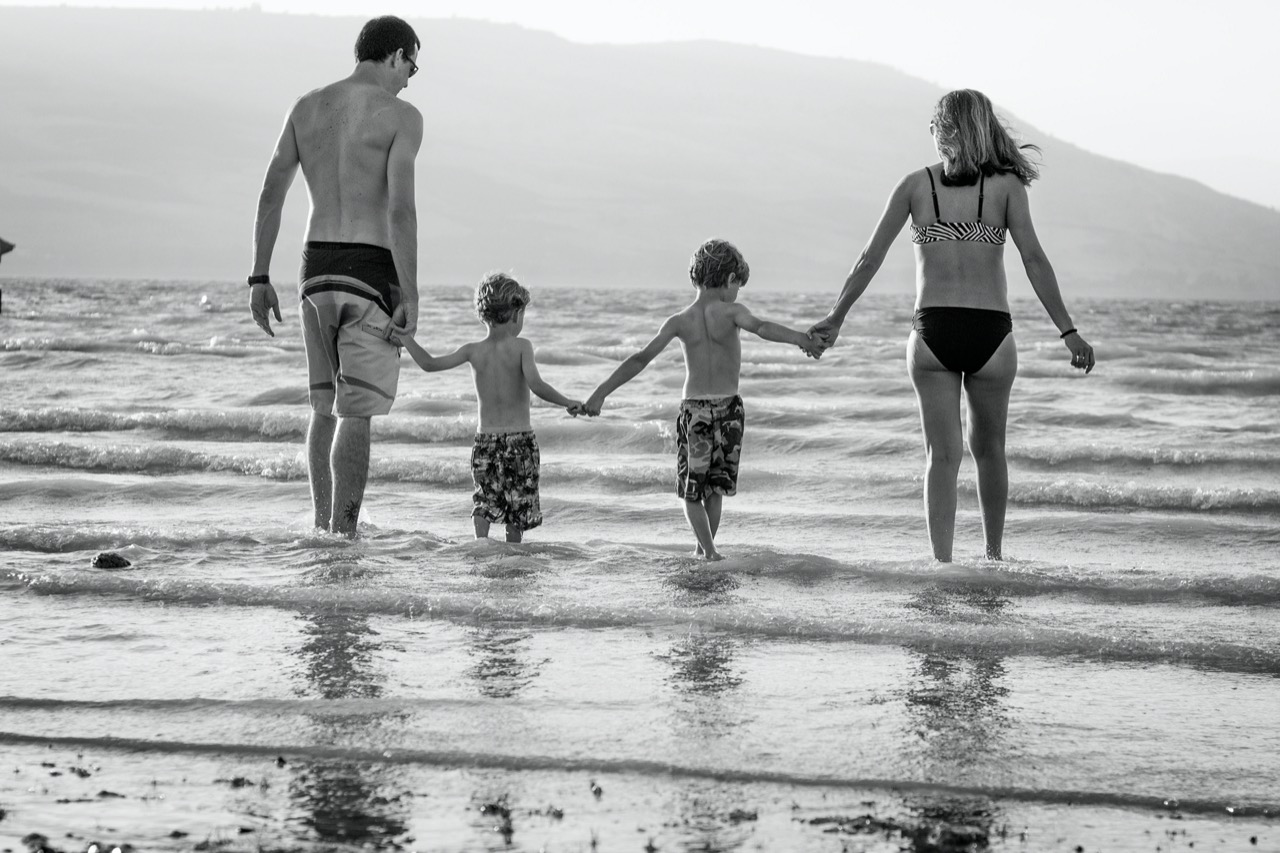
[[246, 681]]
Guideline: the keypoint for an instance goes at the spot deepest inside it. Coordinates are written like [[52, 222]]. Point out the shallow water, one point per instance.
[[1112, 682]]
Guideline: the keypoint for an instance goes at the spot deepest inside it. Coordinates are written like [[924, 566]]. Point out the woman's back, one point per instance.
[[959, 232]]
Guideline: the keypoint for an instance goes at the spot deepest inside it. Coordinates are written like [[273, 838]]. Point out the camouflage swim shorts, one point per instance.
[[708, 446], [504, 467]]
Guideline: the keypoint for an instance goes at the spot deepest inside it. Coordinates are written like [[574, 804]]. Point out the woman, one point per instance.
[[961, 335]]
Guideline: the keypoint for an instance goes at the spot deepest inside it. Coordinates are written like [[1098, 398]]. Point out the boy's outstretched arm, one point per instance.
[[776, 332], [432, 363], [540, 386], [631, 367]]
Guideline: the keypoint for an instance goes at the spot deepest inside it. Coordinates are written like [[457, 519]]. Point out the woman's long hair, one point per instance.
[[971, 138]]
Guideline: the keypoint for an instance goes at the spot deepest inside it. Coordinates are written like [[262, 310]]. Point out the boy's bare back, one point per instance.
[[497, 365], [708, 335]]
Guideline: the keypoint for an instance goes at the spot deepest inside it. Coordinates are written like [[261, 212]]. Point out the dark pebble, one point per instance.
[[178, 833], [280, 762], [110, 794], [108, 560]]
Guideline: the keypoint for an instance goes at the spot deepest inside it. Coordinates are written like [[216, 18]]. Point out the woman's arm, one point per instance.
[[1043, 279], [868, 264]]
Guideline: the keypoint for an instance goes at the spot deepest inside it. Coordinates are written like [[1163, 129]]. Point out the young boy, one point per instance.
[[709, 426], [504, 457]]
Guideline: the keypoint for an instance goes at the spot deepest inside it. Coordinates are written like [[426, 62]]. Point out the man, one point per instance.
[[356, 142]]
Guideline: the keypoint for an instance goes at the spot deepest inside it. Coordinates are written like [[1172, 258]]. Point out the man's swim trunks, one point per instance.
[[504, 467], [708, 446], [343, 287]]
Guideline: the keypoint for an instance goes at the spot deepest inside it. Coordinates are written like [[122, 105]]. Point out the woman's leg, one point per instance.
[[987, 393], [938, 393]]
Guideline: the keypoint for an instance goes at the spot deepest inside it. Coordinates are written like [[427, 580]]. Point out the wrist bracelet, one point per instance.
[[1067, 332], [259, 279]]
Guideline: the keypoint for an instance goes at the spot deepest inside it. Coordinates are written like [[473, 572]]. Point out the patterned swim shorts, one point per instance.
[[504, 467], [708, 446]]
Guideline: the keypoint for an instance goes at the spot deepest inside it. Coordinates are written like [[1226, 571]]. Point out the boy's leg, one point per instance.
[[514, 533], [481, 525], [696, 514], [349, 460], [319, 446], [713, 502]]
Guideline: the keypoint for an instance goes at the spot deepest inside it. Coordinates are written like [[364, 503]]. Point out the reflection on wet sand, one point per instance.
[[344, 801], [503, 666]]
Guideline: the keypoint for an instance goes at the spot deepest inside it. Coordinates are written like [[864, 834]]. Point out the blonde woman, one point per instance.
[[962, 335]]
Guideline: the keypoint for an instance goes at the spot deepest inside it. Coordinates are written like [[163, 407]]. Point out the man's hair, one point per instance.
[[383, 36], [499, 297], [714, 262]]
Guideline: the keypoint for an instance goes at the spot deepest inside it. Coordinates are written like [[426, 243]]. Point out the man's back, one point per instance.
[[344, 134], [708, 334]]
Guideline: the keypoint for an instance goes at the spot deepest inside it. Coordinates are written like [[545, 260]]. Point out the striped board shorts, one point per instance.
[[346, 294]]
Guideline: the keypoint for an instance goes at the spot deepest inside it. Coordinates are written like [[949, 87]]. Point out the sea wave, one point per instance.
[[1260, 382], [223, 346], [1095, 495], [1142, 455]]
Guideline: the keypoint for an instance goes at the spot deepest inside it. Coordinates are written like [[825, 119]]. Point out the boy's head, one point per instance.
[[714, 262], [499, 298]]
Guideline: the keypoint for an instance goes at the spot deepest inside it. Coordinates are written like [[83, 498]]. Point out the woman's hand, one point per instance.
[[826, 330], [1081, 352]]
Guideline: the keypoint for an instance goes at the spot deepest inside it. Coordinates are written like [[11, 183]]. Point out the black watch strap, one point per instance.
[[259, 279]]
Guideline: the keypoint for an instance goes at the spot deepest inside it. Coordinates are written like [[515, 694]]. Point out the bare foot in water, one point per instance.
[[714, 556]]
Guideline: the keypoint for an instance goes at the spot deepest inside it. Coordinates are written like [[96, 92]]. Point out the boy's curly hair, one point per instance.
[[714, 262], [499, 297]]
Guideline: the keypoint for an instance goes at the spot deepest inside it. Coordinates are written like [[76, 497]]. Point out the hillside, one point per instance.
[[137, 146]]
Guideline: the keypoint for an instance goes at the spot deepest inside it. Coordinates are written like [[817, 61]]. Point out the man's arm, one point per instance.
[[432, 363], [631, 368], [266, 226], [403, 215], [537, 384], [776, 332]]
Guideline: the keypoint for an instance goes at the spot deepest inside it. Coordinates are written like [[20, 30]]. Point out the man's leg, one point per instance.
[[319, 446], [350, 464]]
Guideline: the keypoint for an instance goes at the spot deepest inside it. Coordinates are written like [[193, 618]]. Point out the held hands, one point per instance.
[[262, 298], [1081, 352], [404, 324], [814, 346], [823, 333]]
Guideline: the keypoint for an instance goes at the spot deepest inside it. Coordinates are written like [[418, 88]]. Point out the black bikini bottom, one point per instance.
[[963, 339]]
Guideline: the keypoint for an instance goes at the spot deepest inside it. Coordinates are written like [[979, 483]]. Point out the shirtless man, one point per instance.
[[709, 426], [356, 142]]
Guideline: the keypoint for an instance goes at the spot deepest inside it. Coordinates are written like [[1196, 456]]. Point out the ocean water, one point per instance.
[[250, 684]]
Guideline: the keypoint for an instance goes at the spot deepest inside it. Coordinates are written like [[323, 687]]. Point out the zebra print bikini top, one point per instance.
[[973, 232]]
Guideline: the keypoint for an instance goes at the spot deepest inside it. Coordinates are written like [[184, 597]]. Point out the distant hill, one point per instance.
[[132, 144]]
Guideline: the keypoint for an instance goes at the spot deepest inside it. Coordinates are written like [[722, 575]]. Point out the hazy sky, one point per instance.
[[1182, 86]]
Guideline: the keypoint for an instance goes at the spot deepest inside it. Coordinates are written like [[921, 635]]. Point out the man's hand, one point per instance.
[[262, 298], [593, 405], [404, 323], [576, 408]]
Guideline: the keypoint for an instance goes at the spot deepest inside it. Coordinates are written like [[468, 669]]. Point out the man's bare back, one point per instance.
[[345, 132]]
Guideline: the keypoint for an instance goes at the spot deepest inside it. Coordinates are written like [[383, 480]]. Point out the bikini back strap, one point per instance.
[[933, 190], [982, 183]]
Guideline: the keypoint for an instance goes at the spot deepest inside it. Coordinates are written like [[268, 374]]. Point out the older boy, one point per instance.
[[504, 457], [709, 426]]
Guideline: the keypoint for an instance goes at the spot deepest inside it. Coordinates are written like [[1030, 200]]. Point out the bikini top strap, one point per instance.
[[982, 183], [933, 190]]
